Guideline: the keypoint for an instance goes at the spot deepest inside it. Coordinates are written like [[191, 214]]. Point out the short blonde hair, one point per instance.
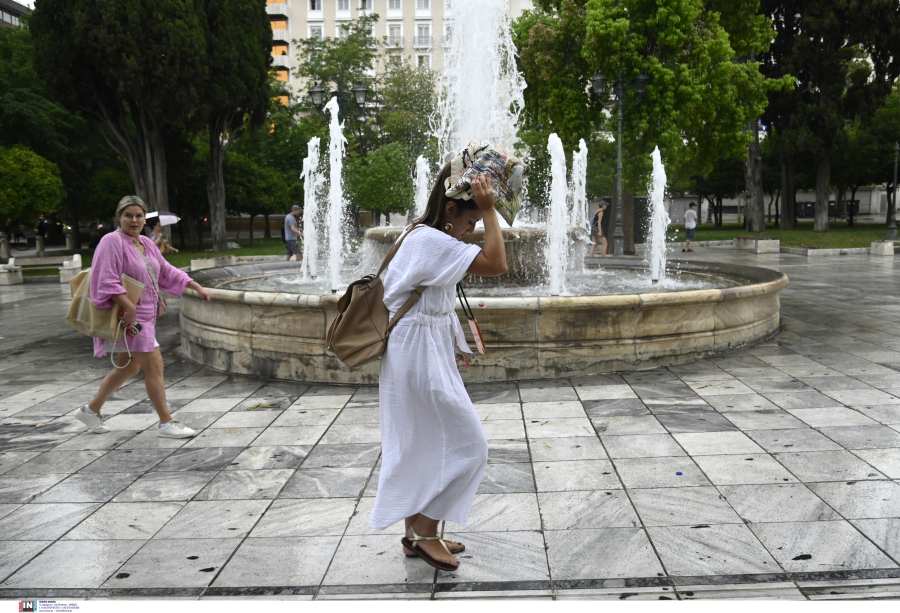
[[128, 201]]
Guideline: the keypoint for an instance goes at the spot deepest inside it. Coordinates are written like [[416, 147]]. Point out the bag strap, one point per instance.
[[390, 254], [413, 298]]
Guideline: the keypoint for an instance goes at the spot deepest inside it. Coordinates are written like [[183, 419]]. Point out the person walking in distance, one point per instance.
[[598, 231], [690, 225], [292, 233]]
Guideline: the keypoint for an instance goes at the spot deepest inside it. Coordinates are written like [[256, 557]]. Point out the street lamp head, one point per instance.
[[317, 95], [598, 82], [640, 85], [359, 94]]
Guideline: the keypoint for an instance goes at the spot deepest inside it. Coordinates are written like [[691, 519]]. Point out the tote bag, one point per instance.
[[88, 319]]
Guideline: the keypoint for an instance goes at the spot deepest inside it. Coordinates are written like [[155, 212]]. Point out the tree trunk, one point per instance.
[[852, 207], [823, 176], [755, 212], [200, 233], [840, 198], [252, 221], [181, 229], [777, 219], [377, 218], [268, 231], [889, 194], [215, 190], [788, 203]]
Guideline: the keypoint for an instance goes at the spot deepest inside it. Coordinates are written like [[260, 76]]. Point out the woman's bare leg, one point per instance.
[[113, 381], [605, 244], [152, 364]]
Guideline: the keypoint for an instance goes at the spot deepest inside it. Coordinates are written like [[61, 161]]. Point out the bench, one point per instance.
[[757, 244], [882, 248], [11, 272]]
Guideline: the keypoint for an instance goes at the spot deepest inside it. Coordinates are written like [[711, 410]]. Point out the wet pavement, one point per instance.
[[770, 472]]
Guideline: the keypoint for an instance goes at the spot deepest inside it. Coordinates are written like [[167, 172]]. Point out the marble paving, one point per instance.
[[771, 473]]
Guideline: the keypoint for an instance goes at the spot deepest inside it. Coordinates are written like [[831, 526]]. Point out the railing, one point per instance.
[[395, 42], [280, 35], [279, 9], [281, 60], [422, 41]]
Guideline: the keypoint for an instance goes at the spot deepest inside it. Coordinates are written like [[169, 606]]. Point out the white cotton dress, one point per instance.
[[434, 451]]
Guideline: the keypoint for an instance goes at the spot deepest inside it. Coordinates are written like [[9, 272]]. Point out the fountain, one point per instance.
[[548, 317], [422, 186], [659, 219], [312, 181]]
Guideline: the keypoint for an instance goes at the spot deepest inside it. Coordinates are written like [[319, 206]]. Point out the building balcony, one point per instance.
[[281, 61], [394, 42], [422, 42], [280, 36], [280, 8], [423, 13]]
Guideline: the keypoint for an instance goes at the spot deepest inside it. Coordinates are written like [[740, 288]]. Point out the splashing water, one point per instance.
[[481, 93], [659, 218], [422, 186], [312, 182], [335, 195], [579, 218], [557, 226]]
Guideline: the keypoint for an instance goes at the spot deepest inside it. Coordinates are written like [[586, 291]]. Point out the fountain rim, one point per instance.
[[754, 281]]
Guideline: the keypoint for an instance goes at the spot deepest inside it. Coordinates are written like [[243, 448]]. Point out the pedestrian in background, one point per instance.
[[690, 225], [598, 231], [292, 233]]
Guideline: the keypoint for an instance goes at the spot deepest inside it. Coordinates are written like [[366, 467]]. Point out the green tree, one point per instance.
[[407, 100], [380, 181], [255, 190], [29, 185], [236, 90], [134, 65], [725, 180]]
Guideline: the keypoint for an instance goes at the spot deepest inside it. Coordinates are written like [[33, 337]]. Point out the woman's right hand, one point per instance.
[[483, 193], [129, 316]]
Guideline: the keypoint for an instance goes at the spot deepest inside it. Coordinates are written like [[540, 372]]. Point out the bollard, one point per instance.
[[39, 245], [4, 246], [70, 241]]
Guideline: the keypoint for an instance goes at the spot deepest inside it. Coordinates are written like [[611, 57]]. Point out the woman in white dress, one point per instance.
[[434, 451]]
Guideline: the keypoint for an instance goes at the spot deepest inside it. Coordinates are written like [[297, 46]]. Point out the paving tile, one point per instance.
[[295, 561], [213, 519], [352, 415], [352, 433], [862, 397], [777, 503], [605, 392], [224, 437], [575, 475], [174, 563], [508, 451], [490, 393], [245, 485], [125, 521], [127, 460], [692, 420], [69, 564], [305, 517], [10, 460], [299, 435], [375, 560], [716, 443], [827, 466], [620, 425], [885, 533], [659, 472], [499, 556], [806, 401], [501, 513], [499, 411], [267, 458], [559, 448], [597, 409], [159, 486], [886, 461], [507, 478], [765, 419], [211, 405], [601, 554], [861, 499], [745, 469], [246, 419], [326, 483], [682, 506], [88, 487], [740, 402], [305, 417], [314, 401], [504, 429], [720, 388], [15, 554], [697, 551], [864, 437], [41, 522], [835, 416], [820, 546], [562, 427], [56, 462], [642, 446], [886, 414], [562, 409], [150, 439], [546, 393], [793, 439], [580, 510], [17, 489]]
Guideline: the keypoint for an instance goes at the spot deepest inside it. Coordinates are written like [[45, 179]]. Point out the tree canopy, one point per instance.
[[29, 184]]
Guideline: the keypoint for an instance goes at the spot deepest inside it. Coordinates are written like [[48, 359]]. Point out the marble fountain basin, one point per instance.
[[281, 335]]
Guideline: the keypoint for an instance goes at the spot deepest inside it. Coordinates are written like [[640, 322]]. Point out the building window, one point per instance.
[[423, 60], [365, 5], [279, 25], [423, 34], [394, 5], [395, 36], [343, 5], [343, 33], [315, 32], [315, 5], [423, 5]]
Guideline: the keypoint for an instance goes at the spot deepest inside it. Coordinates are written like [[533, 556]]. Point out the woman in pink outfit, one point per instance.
[[126, 251]]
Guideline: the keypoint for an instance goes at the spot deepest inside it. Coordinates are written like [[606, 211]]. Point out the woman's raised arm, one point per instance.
[[491, 262]]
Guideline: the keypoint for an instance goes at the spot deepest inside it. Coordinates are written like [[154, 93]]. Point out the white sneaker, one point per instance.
[[175, 429], [94, 421]]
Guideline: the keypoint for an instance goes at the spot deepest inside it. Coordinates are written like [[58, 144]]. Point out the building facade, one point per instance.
[[11, 13], [418, 30]]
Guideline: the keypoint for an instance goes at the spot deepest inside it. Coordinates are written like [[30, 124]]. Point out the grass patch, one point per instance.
[[839, 236]]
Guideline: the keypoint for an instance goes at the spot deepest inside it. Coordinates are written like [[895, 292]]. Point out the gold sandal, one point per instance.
[[412, 545]]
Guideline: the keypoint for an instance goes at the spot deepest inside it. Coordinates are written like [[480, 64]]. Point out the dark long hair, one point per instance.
[[437, 202]]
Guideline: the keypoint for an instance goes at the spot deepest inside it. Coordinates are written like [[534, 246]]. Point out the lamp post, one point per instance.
[[318, 95], [892, 210], [619, 89]]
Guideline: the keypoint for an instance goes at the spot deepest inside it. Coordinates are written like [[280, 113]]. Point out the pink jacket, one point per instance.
[[116, 254]]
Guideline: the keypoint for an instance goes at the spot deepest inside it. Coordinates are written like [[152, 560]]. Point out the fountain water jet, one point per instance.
[[659, 219], [557, 227], [579, 218], [422, 186], [312, 182], [335, 195]]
